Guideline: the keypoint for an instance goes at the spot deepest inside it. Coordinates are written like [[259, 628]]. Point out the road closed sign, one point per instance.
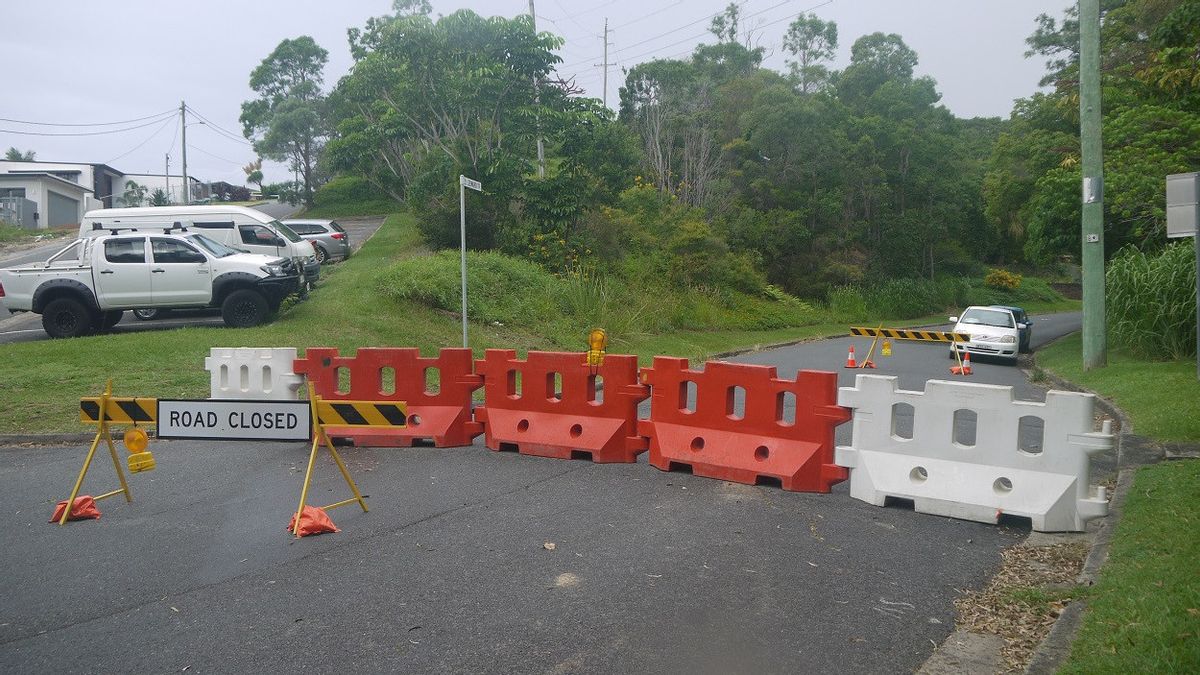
[[224, 420]]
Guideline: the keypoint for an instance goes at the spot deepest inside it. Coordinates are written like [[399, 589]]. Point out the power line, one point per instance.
[[673, 30], [227, 133], [647, 16], [85, 124], [148, 139], [80, 133], [223, 159], [699, 35]]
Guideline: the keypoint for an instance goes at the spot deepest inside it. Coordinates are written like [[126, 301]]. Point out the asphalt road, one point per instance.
[[26, 327], [448, 572]]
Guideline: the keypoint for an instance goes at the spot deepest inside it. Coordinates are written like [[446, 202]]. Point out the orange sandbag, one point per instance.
[[83, 509], [313, 520]]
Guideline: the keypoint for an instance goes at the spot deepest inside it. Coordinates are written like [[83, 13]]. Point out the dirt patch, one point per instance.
[[1033, 586]]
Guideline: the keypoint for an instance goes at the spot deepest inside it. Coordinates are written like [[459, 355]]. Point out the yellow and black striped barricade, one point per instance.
[[912, 334], [102, 411], [361, 414]]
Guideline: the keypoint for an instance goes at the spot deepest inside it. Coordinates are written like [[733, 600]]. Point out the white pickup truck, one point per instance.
[[88, 285]]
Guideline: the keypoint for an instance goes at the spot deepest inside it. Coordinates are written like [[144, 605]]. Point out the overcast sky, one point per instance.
[[89, 62]]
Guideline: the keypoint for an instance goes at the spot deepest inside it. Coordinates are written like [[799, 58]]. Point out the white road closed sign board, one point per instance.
[[223, 420]]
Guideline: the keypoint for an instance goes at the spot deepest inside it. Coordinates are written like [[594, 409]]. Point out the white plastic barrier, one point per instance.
[[257, 373], [1047, 484]]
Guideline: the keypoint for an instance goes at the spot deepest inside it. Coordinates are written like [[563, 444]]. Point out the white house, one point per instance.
[[50, 194]]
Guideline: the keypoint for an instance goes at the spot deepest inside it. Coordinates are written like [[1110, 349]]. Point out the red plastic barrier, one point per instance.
[[594, 412], [440, 412], [716, 442]]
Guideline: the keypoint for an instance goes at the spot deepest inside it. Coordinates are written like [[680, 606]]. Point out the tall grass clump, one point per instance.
[[500, 289], [1151, 301], [898, 298]]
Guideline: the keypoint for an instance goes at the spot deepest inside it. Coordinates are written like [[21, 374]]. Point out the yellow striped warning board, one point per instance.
[[121, 410], [904, 334], [362, 413]]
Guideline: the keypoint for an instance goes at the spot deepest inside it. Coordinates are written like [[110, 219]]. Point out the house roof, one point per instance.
[[97, 165], [54, 171], [26, 175]]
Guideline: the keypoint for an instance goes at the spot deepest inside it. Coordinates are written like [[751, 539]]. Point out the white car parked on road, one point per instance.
[[994, 331]]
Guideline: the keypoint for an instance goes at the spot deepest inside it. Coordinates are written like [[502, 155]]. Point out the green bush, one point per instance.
[[1151, 301], [898, 298], [350, 196], [513, 291], [500, 288]]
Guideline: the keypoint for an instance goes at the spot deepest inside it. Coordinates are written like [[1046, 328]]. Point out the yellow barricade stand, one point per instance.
[[342, 414], [103, 410]]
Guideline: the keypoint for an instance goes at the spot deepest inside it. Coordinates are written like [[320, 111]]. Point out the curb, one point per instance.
[[1056, 646]]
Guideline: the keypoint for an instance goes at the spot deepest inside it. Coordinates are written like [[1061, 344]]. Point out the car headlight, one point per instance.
[[273, 270], [1007, 339]]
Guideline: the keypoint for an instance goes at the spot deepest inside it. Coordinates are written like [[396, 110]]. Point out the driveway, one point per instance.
[[474, 561]]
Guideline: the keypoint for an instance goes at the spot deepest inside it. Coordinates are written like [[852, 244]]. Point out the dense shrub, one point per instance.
[[351, 196], [997, 278], [1151, 301], [509, 290], [898, 298]]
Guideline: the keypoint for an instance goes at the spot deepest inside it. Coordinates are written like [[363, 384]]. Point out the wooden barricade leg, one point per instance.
[[319, 439], [102, 432]]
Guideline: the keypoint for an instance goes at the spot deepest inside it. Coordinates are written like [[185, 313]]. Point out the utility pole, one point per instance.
[[183, 125], [1095, 339], [604, 65], [605, 97], [167, 176], [537, 102]]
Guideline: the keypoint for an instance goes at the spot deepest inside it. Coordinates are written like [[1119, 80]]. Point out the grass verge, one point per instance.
[[1161, 398], [1144, 614]]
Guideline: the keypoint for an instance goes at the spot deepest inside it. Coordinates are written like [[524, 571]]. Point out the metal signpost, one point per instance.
[[463, 184], [224, 420], [1183, 220]]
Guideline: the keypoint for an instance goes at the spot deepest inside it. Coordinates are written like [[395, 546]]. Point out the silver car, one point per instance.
[[330, 240]]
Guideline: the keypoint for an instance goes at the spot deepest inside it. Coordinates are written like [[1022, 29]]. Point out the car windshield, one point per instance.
[[988, 317], [214, 247], [286, 231]]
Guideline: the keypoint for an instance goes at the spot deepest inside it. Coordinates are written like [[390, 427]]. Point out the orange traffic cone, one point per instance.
[[965, 368], [850, 363]]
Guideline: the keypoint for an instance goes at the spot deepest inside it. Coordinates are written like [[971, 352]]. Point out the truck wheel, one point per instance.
[[109, 319], [66, 317], [149, 313], [244, 308]]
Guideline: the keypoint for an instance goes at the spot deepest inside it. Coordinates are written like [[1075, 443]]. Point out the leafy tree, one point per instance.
[[134, 193], [254, 173], [15, 155], [874, 60], [812, 42], [428, 100], [159, 198], [289, 120]]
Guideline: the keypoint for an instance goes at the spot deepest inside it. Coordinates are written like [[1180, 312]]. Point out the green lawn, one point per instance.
[[1144, 614], [1161, 398]]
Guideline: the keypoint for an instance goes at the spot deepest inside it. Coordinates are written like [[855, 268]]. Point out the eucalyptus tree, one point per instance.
[[289, 119]]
